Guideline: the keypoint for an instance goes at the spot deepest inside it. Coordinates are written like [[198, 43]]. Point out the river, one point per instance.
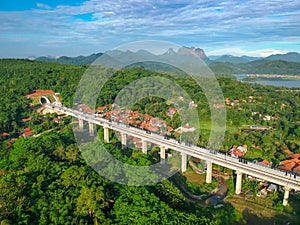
[[270, 81]]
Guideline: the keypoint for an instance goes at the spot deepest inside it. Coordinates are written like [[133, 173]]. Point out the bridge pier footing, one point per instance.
[[286, 196], [238, 185], [183, 161], [208, 172], [106, 134], [80, 124]]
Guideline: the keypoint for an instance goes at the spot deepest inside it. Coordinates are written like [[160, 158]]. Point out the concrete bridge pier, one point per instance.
[[123, 140], [80, 124], [208, 172], [91, 129], [286, 196], [162, 154], [183, 162], [238, 186], [106, 134], [144, 146]]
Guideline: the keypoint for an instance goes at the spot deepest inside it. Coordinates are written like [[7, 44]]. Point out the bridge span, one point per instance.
[[273, 175]]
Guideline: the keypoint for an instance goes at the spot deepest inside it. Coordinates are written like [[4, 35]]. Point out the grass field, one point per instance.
[[206, 126]]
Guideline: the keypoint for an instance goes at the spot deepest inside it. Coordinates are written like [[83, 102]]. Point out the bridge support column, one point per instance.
[[144, 146], [238, 185], [80, 124], [208, 172], [91, 129], [286, 196], [106, 134], [183, 161], [162, 154], [123, 140]]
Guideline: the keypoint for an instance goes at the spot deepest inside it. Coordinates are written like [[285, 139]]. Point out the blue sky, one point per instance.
[[78, 27]]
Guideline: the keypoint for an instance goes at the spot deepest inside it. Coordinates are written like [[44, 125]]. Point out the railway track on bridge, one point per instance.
[[290, 181]]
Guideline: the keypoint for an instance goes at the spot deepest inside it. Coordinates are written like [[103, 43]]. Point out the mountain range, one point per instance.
[[79, 60], [288, 63], [288, 57]]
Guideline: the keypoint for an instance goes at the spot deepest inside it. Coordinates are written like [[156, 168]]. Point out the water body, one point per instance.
[[270, 81]]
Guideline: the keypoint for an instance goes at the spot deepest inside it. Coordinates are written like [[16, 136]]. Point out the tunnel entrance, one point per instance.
[[44, 100]]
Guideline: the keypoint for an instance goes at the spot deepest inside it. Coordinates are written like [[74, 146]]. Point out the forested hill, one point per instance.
[[258, 67], [19, 77], [79, 60], [45, 180], [239, 66]]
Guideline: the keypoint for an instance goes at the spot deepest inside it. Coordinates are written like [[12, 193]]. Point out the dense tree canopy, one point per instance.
[[45, 180]]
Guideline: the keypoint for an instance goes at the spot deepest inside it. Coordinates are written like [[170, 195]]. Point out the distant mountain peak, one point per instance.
[[144, 52], [230, 59], [195, 51], [289, 57], [171, 51]]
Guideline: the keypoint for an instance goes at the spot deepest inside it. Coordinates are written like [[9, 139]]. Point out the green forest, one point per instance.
[[45, 180], [257, 67]]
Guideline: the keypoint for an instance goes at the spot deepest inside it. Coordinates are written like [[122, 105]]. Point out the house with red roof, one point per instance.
[[238, 151], [4, 134], [25, 120], [27, 132], [171, 112], [186, 128], [290, 164], [56, 120], [102, 109], [169, 128], [265, 163], [85, 108]]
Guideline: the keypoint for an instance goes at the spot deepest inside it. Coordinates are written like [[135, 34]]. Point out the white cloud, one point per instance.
[[43, 6], [202, 22], [240, 52]]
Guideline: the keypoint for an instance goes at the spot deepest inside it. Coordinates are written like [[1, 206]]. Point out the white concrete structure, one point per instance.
[[286, 195], [106, 134], [123, 140], [183, 161], [265, 173], [144, 146], [91, 129], [208, 171], [80, 124], [238, 185], [162, 153]]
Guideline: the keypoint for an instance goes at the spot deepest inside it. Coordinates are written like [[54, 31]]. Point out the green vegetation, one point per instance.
[[45, 180], [193, 188], [257, 67], [80, 60], [20, 77]]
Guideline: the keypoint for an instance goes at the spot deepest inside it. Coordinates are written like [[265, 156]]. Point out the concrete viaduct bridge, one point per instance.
[[272, 175]]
